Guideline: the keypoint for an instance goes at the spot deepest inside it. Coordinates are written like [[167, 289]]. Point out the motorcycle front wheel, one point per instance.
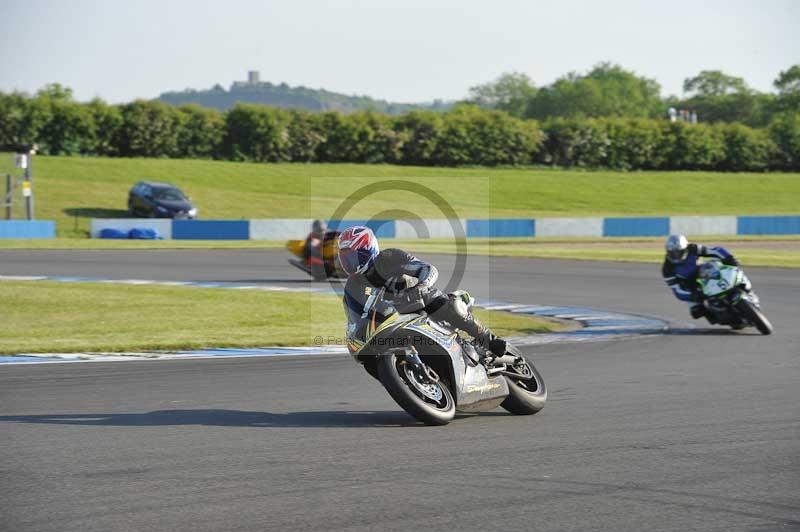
[[429, 401], [754, 316]]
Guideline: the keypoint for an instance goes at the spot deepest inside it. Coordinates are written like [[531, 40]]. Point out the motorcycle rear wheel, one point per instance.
[[525, 396], [754, 316], [431, 403]]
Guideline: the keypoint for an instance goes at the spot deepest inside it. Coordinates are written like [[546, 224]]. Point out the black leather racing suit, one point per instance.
[[411, 281]]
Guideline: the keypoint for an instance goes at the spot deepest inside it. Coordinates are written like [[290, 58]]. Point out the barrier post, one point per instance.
[[9, 196], [27, 187], [24, 159]]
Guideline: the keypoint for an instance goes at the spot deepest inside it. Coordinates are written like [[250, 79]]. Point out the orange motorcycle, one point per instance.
[[319, 258]]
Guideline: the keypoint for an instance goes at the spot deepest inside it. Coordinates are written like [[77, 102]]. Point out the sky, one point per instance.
[[399, 50]]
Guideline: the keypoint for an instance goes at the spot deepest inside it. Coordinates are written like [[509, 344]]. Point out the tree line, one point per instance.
[[468, 134], [287, 97], [608, 90]]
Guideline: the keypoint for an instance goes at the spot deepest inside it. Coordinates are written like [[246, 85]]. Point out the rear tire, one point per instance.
[[755, 316], [525, 397], [395, 378]]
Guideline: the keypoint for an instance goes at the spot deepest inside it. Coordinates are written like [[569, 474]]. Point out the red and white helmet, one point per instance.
[[358, 248]]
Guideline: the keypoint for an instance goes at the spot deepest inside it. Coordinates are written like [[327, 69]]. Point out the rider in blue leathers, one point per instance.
[[680, 271]]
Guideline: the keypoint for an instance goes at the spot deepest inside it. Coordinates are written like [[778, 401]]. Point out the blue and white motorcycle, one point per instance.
[[729, 296]]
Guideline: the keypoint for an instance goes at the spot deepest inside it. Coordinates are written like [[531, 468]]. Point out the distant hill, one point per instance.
[[288, 97]]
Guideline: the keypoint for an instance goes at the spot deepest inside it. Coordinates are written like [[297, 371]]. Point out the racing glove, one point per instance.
[[731, 261], [410, 300]]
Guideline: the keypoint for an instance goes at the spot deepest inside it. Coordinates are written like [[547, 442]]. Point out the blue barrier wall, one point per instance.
[[504, 228], [381, 228], [635, 226], [211, 229], [27, 229], [511, 227], [768, 225]]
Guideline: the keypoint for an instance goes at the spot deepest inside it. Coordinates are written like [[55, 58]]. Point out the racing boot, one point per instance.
[[700, 311], [496, 345]]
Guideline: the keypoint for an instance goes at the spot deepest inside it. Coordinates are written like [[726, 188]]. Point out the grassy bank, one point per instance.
[[71, 190], [41, 316]]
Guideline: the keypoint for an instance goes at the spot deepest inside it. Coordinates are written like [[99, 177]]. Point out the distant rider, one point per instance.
[[681, 267], [312, 251], [411, 282]]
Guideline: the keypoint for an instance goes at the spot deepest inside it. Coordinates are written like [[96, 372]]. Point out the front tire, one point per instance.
[[428, 402], [528, 394], [754, 316]]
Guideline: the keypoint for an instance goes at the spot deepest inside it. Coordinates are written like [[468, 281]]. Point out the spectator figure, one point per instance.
[[673, 114], [693, 117]]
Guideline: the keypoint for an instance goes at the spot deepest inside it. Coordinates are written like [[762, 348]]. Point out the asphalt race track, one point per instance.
[[695, 430]]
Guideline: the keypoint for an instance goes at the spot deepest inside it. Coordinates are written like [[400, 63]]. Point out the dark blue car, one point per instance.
[[159, 200]]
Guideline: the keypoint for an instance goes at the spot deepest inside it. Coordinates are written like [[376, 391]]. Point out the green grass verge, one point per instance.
[[508, 324], [42, 316], [71, 190], [775, 252]]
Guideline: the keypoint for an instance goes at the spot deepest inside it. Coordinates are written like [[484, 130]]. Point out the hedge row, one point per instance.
[[631, 144], [466, 135]]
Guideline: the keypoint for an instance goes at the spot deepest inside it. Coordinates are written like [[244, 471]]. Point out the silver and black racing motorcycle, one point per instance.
[[728, 294], [432, 372]]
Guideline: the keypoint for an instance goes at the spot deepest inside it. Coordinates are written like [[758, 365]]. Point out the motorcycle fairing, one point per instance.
[[726, 278]]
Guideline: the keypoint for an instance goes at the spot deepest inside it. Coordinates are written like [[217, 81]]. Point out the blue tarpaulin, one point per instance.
[[138, 233], [144, 233], [109, 232]]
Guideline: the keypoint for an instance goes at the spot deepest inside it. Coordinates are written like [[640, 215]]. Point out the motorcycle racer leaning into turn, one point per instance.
[[681, 267], [410, 279], [312, 249]]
